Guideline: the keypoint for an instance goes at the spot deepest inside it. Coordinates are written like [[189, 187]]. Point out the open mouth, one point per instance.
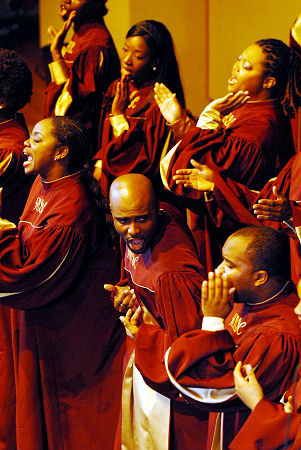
[[232, 80], [136, 244], [28, 161]]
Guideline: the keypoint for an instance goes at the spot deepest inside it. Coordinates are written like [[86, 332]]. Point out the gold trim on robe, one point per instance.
[[165, 163], [5, 163], [58, 71], [145, 413]]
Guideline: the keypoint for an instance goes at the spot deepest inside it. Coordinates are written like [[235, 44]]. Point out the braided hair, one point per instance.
[[284, 64], [159, 41]]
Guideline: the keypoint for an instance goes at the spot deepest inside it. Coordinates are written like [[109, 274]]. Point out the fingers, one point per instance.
[[136, 316], [162, 93], [124, 300], [204, 292], [237, 371], [196, 164], [52, 31], [124, 297], [110, 288], [278, 195], [250, 372], [182, 172]]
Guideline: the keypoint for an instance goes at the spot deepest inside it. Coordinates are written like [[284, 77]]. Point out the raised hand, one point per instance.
[[247, 387], [58, 39], [217, 298], [199, 178], [130, 322], [123, 297], [122, 97], [230, 102], [277, 210], [168, 103]]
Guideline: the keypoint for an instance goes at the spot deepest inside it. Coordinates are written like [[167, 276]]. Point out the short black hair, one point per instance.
[[268, 250], [15, 81], [92, 11]]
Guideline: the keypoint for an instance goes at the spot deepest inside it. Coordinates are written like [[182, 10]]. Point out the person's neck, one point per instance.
[[55, 174], [262, 96], [267, 292]]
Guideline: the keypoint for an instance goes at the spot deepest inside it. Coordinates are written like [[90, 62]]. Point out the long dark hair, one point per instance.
[[285, 65], [92, 11], [159, 41]]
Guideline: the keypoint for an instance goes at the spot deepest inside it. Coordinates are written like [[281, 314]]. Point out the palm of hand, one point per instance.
[[171, 109]]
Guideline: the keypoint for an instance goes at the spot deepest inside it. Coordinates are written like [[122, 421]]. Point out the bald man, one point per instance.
[[163, 271]]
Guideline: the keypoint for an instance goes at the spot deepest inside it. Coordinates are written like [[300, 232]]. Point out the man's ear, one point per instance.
[[260, 277], [269, 82], [61, 152]]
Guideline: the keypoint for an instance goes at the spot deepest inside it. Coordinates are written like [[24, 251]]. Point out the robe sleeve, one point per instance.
[[178, 299], [233, 156], [88, 76], [37, 272], [201, 363], [233, 201], [137, 149], [267, 428]]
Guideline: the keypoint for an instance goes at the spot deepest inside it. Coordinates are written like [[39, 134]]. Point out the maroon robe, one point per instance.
[[167, 278], [232, 206], [16, 186], [138, 149], [266, 335], [251, 150], [93, 63], [267, 428], [67, 339]]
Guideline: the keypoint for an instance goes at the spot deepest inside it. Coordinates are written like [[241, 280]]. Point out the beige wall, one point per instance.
[[232, 29]]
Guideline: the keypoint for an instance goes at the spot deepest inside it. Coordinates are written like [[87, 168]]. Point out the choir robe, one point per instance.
[[267, 417], [67, 339], [250, 150], [167, 279], [93, 63], [16, 186], [231, 207], [200, 363], [138, 149]]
